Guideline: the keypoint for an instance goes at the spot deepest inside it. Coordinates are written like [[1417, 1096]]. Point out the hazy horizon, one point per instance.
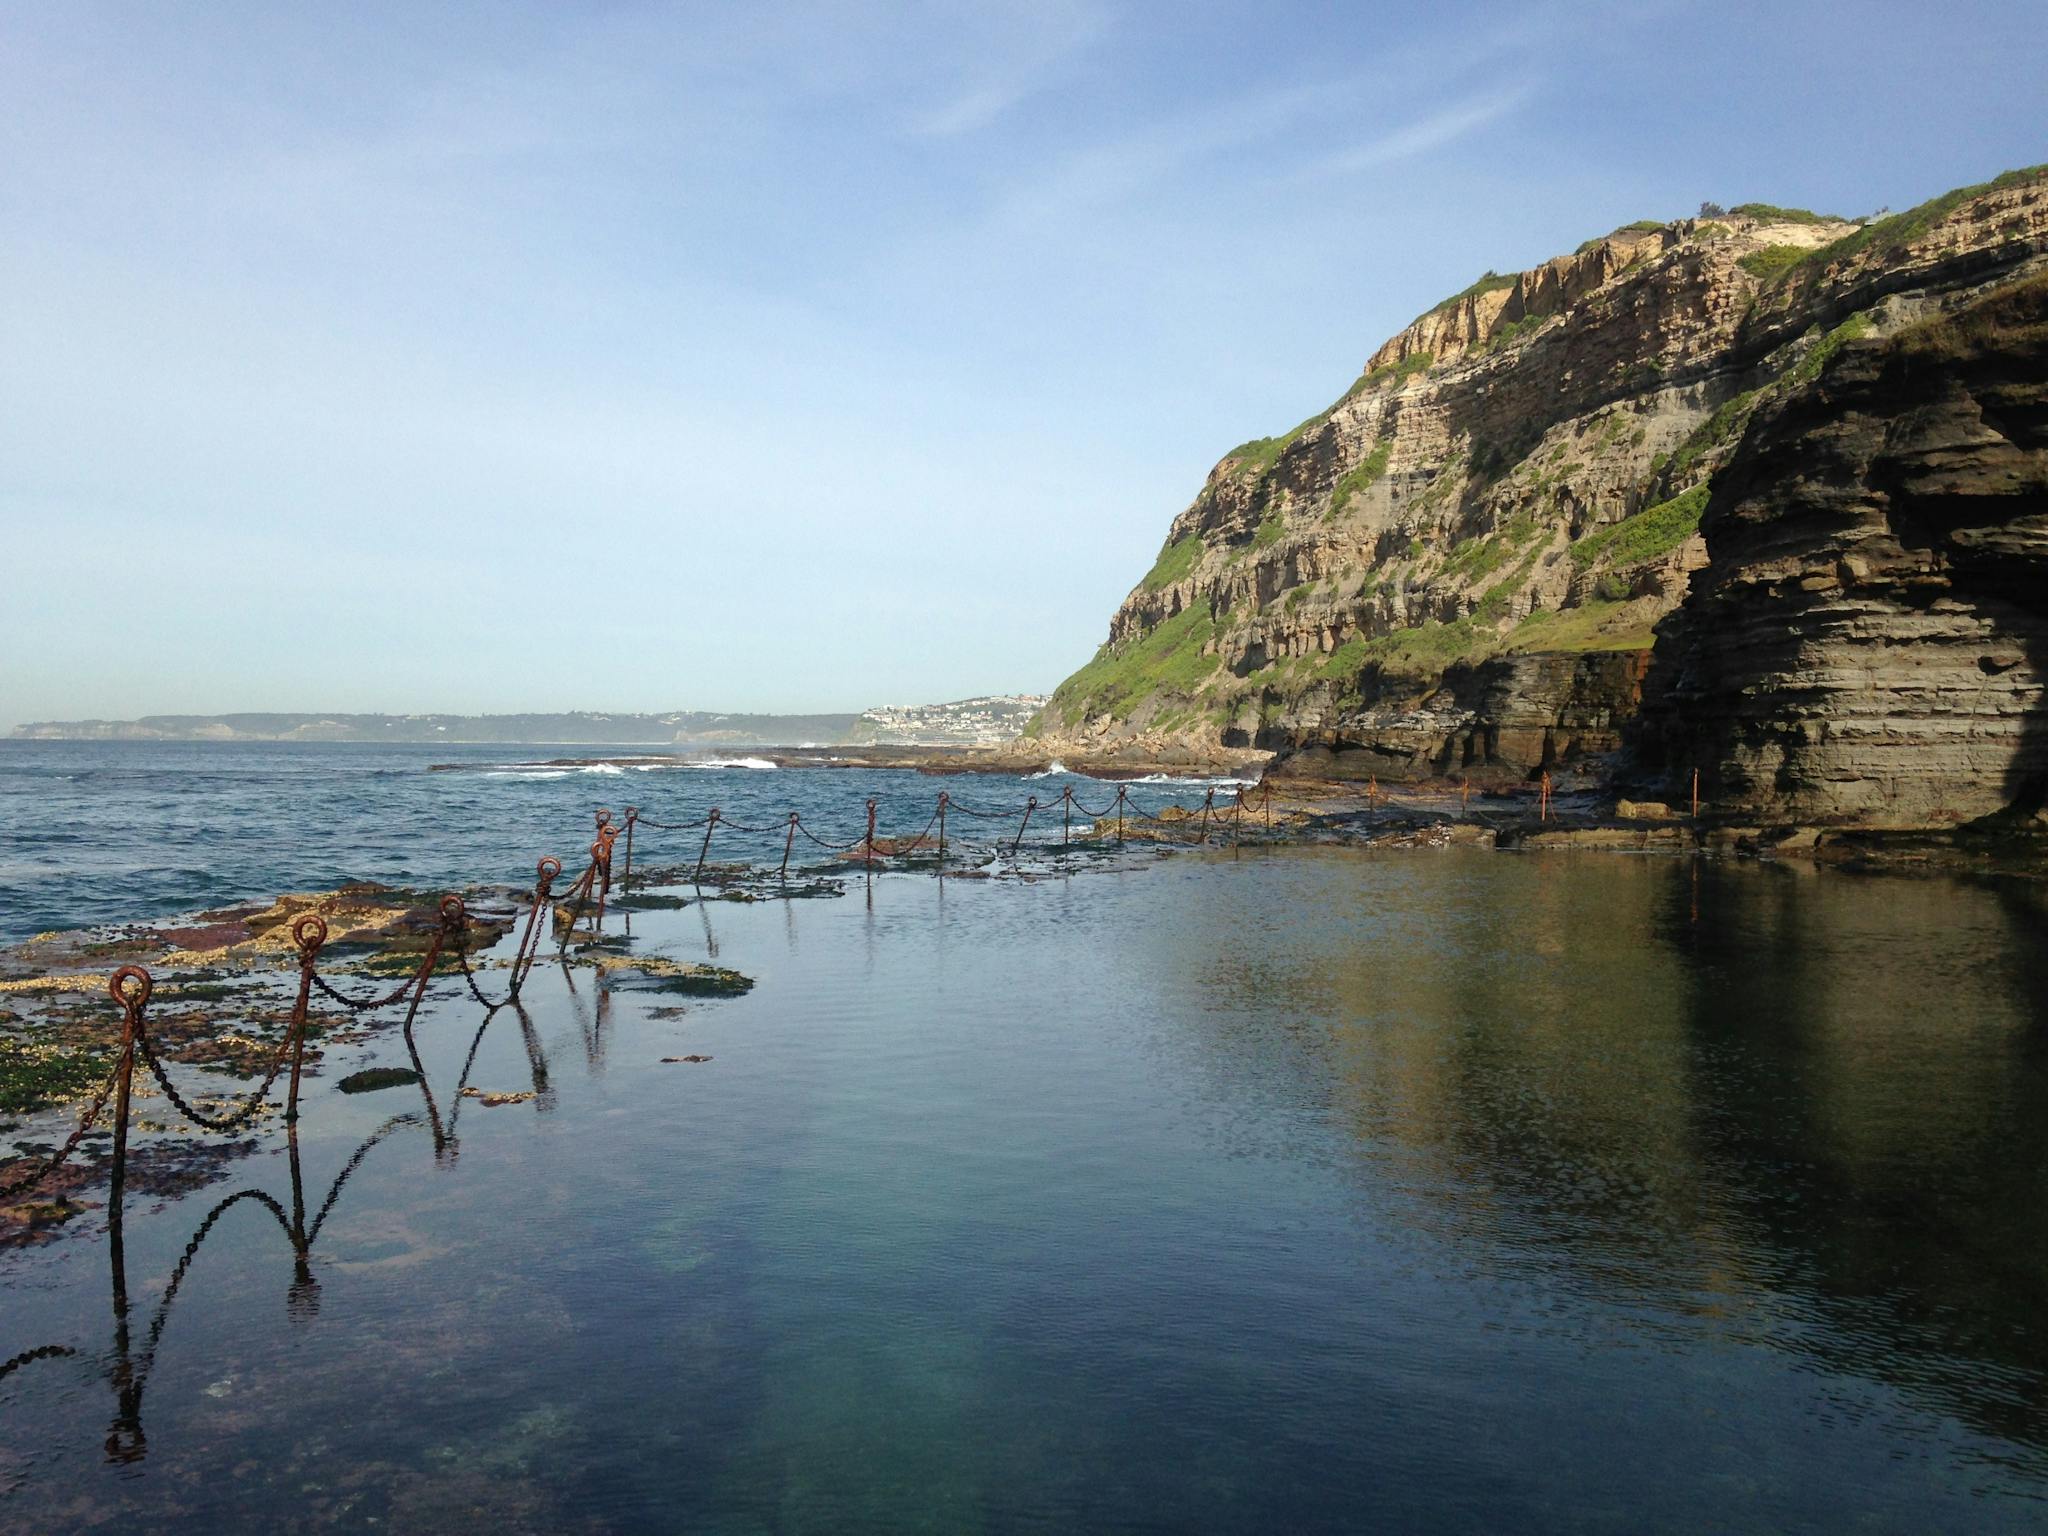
[[507, 714], [467, 360]]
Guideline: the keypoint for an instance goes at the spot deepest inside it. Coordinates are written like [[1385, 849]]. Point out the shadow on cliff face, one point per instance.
[[1966, 478], [1868, 644]]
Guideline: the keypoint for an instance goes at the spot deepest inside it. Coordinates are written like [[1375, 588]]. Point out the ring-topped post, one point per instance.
[[309, 933]]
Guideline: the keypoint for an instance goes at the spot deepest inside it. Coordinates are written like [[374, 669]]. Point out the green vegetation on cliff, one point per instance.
[[1600, 625], [1410, 526], [1727, 421], [1888, 234], [1262, 453], [1771, 260], [1824, 350], [1476, 559], [1392, 375], [1167, 660], [1173, 564], [1771, 213], [1360, 476], [1650, 533], [1489, 281]]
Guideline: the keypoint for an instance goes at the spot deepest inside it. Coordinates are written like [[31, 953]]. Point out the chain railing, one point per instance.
[[867, 848], [131, 986]]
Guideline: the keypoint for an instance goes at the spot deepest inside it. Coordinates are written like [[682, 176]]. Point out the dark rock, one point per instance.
[[1869, 643], [373, 1078]]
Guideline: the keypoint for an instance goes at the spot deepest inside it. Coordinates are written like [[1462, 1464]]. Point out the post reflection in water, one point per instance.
[[1270, 1189], [127, 1369]]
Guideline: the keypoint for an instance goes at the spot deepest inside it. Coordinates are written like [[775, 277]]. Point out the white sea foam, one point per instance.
[[526, 773], [756, 763], [1198, 783], [1055, 766]]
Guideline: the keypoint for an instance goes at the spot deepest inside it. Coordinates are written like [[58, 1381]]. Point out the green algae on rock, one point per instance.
[[658, 973]]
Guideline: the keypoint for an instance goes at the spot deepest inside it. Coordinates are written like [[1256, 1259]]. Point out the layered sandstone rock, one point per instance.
[[1868, 644], [1519, 474]]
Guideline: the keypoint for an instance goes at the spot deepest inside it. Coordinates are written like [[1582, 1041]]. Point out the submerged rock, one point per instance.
[[658, 973], [497, 1100], [371, 1079]]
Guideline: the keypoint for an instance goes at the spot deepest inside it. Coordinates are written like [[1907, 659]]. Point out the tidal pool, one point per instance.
[[1281, 1191]]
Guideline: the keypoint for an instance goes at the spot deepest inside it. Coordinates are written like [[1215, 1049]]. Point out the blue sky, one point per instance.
[[790, 356]]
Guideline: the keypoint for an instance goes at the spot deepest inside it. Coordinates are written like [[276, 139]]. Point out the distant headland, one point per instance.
[[984, 721]]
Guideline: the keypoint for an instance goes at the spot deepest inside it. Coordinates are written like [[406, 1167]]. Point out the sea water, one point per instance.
[[1270, 1190]]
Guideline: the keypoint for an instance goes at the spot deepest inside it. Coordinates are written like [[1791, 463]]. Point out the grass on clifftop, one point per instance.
[[1489, 281], [1392, 375], [1173, 564], [1262, 453], [1166, 660], [1771, 213], [1889, 234]]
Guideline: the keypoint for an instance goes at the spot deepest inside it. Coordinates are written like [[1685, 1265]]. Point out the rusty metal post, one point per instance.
[[309, 932], [868, 846], [1017, 842], [632, 815], [1122, 792], [1208, 801], [529, 941], [788, 843], [944, 801], [1237, 819], [131, 986], [454, 917], [603, 820], [710, 826], [1543, 798], [1266, 794], [1695, 794], [1067, 815], [601, 864]]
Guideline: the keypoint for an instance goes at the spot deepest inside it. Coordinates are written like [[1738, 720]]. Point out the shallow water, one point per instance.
[[93, 832], [1290, 1190]]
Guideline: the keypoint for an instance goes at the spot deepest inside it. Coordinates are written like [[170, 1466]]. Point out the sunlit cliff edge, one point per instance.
[[1823, 440]]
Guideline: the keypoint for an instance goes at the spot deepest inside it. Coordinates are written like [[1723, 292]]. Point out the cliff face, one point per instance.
[[1426, 576], [1868, 643]]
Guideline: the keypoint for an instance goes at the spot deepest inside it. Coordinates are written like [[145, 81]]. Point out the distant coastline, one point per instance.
[[982, 721]]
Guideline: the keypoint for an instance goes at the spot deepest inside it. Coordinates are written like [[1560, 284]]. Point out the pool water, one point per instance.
[[1282, 1190]]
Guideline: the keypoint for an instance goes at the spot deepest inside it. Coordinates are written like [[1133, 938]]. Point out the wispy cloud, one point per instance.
[[1424, 134], [1020, 55]]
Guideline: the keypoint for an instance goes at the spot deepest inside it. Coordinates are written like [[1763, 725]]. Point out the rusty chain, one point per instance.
[[309, 931], [132, 1001]]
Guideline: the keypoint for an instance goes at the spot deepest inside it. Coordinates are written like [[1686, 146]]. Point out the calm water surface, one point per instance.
[[1295, 1190]]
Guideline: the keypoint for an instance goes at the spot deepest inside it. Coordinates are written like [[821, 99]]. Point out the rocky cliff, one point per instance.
[[1868, 642], [1458, 566]]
